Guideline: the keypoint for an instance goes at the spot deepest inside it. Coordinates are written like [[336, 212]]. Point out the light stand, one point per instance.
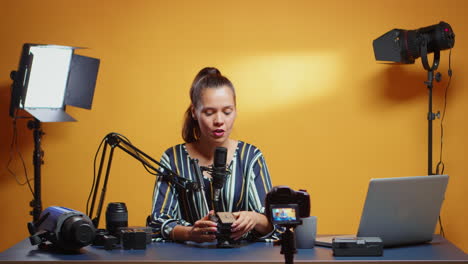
[[38, 154], [429, 83], [48, 78], [404, 46], [430, 117]]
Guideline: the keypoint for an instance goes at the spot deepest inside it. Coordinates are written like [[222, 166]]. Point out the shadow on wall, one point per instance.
[[336, 152], [403, 83], [24, 139]]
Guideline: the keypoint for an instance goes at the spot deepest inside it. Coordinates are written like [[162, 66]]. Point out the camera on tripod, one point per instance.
[[286, 207]]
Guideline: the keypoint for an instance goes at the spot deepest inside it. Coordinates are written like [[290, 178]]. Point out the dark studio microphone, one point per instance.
[[223, 219], [219, 175]]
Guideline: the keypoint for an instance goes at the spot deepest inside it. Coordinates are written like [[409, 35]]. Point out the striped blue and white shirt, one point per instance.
[[245, 189]]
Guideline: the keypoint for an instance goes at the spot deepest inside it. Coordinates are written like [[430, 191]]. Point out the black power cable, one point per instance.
[[93, 186], [440, 165], [14, 149]]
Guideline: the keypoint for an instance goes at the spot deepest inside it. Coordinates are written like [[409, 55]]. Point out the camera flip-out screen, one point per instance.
[[285, 214]]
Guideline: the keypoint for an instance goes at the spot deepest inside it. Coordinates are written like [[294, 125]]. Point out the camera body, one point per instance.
[[223, 235], [286, 207]]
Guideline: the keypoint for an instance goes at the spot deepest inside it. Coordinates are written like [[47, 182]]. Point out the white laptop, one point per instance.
[[401, 210]]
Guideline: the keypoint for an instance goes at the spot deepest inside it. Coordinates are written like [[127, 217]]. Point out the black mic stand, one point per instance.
[[199, 177], [113, 140], [223, 219]]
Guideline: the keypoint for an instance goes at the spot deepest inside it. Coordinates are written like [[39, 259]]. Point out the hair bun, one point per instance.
[[209, 71]]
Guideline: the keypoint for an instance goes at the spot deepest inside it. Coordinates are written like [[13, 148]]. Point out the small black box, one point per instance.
[[133, 238], [357, 246]]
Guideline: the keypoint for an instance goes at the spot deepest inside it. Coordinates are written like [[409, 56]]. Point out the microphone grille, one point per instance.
[[220, 157]]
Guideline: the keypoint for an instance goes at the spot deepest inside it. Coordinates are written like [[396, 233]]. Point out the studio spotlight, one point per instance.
[[405, 46]]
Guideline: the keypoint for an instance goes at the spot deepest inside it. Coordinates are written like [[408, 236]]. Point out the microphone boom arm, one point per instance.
[[114, 140]]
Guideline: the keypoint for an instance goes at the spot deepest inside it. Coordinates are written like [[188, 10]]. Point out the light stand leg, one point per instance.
[[38, 154]]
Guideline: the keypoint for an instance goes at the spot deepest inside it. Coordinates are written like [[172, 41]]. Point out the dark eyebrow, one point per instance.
[[208, 108], [213, 108]]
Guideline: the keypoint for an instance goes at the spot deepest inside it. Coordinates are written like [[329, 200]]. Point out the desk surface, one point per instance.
[[438, 251]]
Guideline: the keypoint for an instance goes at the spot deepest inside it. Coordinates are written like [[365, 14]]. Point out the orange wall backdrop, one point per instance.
[[327, 116]]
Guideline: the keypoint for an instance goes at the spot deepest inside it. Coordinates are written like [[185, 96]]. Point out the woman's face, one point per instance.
[[216, 114]]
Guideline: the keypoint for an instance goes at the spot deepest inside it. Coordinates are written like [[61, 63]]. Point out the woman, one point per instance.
[[208, 124]]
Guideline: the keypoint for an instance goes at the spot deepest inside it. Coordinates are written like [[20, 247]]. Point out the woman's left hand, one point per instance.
[[245, 221]]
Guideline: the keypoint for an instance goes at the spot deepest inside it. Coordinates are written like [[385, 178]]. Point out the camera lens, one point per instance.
[[76, 232], [116, 217]]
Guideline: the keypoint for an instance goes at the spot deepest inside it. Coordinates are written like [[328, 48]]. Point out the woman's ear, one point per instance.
[[192, 111]]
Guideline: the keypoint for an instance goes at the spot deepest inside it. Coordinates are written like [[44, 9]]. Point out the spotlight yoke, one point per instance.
[[405, 46]]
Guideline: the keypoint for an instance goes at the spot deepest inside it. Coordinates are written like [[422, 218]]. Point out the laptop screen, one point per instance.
[[403, 210]]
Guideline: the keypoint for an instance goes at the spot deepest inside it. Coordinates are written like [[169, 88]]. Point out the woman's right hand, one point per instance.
[[203, 230]]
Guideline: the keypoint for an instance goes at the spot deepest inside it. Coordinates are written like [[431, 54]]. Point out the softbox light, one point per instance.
[[49, 77]]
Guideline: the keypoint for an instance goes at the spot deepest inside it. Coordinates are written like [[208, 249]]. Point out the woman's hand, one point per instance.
[[245, 221], [203, 230]]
